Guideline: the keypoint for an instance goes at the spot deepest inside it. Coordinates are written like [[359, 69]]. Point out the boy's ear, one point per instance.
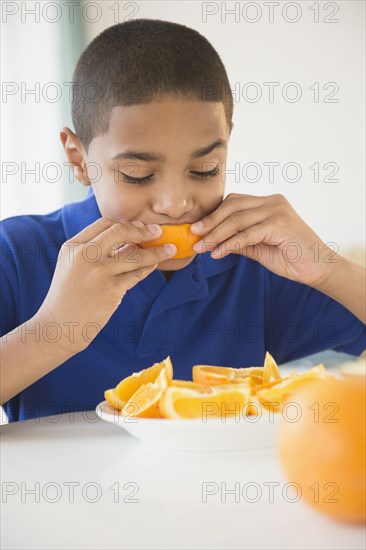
[[75, 154]]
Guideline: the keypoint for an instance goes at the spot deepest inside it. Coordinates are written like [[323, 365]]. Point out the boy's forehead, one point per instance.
[[167, 116]]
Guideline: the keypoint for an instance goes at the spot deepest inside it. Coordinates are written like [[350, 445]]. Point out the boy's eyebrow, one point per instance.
[[148, 156]]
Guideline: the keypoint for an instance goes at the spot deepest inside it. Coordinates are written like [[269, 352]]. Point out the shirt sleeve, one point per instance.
[[9, 318], [302, 321]]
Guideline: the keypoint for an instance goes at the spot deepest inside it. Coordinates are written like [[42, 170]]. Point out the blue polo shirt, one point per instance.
[[217, 312]]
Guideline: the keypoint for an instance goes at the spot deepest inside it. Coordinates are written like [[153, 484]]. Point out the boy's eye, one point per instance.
[[129, 179], [210, 174], [201, 175]]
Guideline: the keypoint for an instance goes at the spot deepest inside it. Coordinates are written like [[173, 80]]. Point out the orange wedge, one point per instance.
[[180, 235], [212, 376], [276, 392], [113, 399], [270, 369], [256, 373], [119, 395], [220, 402], [188, 384], [144, 403]]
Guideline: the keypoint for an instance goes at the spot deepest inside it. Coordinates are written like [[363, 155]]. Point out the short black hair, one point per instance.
[[138, 61]]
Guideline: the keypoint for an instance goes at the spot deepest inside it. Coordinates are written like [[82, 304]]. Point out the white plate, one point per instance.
[[244, 433]]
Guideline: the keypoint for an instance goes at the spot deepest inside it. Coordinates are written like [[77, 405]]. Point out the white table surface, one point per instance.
[[131, 496]]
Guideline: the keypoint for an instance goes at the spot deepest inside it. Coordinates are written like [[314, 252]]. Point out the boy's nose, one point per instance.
[[175, 207]]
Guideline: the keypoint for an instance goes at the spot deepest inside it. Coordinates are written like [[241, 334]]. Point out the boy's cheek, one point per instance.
[[117, 210]]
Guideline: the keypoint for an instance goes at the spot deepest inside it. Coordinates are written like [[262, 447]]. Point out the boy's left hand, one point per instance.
[[267, 229]]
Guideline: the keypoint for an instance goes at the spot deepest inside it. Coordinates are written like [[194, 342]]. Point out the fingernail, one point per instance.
[[154, 229], [198, 226], [170, 248], [198, 247], [137, 223]]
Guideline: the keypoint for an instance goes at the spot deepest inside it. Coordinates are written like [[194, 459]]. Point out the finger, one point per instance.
[[119, 234], [244, 240], [233, 224], [129, 280], [229, 205], [131, 258], [92, 230], [102, 224]]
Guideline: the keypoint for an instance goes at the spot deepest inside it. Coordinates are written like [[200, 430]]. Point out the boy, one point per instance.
[[84, 311]]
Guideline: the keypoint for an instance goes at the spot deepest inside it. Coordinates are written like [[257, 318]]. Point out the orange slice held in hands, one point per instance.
[[180, 235]]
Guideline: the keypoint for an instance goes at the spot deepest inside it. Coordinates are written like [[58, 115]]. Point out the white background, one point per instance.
[[303, 132]]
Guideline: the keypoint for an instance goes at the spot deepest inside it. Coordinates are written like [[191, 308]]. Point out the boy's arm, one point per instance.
[[346, 283], [24, 360], [68, 305], [302, 321]]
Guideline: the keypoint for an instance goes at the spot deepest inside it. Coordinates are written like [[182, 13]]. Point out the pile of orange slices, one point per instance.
[[214, 392]]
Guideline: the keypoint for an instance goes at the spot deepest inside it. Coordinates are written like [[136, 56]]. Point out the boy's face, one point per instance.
[[164, 141]]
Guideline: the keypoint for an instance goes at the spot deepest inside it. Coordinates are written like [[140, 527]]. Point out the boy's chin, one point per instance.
[[173, 265]]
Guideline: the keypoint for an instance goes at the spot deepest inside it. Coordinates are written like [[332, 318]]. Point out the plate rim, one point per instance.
[[230, 420]]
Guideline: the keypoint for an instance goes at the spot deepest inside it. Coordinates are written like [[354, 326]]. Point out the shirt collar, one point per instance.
[[78, 215]]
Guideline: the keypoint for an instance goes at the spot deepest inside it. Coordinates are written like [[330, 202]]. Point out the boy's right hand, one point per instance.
[[91, 278]]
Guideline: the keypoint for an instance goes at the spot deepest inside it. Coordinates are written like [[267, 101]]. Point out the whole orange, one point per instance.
[[324, 450], [180, 235]]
